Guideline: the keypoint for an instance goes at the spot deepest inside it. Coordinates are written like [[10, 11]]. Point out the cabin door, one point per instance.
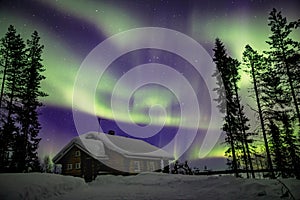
[[88, 176]]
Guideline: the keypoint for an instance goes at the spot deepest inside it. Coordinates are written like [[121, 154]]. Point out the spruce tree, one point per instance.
[[281, 91], [235, 125], [224, 100], [242, 119], [13, 64], [282, 54], [30, 125], [277, 149], [291, 144], [21, 71], [255, 67]]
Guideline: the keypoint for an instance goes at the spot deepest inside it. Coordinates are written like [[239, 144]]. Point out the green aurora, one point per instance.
[[236, 29]]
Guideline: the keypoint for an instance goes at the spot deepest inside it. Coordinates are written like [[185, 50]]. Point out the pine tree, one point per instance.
[[282, 54], [28, 119], [225, 97], [235, 125], [282, 85], [242, 119], [20, 93], [255, 68], [277, 149], [12, 50], [274, 102], [291, 144]]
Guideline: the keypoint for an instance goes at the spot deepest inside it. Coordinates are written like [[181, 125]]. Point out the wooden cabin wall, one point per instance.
[[91, 167], [127, 164], [70, 158]]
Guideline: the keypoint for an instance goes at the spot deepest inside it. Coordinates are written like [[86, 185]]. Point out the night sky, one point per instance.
[[70, 30]]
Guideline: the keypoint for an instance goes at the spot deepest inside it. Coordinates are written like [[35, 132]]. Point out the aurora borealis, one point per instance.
[[70, 30]]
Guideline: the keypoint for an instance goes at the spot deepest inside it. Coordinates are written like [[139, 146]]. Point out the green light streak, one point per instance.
[[218, 151], [62, 65]]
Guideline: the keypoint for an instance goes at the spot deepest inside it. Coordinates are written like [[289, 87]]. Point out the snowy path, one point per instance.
[[143, 186]]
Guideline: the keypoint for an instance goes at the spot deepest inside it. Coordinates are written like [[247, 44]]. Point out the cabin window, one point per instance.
[[77, 165], [77, 153], [8, 154], [137, 167], [69, 166], [151, 166]]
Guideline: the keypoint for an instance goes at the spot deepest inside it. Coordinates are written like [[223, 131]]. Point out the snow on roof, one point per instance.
[[94, 144], [94, 148]]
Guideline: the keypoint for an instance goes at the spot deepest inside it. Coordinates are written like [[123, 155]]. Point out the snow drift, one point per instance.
[[37, 185], [142, 186]]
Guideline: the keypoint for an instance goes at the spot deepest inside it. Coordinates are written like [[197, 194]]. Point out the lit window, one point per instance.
[[77, 153], [77, 166], [69, 166], [151, 166], [137, 167]]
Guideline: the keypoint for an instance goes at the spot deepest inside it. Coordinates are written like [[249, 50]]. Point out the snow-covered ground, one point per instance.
[[37, 185], [143, 186]]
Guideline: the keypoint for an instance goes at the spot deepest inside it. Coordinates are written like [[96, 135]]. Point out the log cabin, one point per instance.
[[91, 154]]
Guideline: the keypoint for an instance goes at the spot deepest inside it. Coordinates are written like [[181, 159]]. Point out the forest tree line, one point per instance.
[[275, 79], [21, 75]]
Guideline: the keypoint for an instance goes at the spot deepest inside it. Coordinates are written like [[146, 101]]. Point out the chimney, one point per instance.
[[111, 132]]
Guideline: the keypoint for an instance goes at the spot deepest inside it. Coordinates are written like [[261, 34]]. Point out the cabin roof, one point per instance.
[[94, 145]]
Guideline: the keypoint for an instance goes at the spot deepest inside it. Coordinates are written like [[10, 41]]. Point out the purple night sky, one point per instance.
[[70, 30]]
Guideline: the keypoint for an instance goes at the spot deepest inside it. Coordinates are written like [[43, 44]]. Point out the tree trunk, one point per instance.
[[270, 166], [3, 81], [244, 138], [234, 160]]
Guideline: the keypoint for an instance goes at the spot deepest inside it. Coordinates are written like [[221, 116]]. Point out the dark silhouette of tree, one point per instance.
[[28, 118], [280, 92], [235, 125], [242, 119], [13, 49], [255, 68], [275, 101], [283, 50], [291, 144], [20, 93], [277, 148], [224, 100], [275, 84], [285, 150]]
